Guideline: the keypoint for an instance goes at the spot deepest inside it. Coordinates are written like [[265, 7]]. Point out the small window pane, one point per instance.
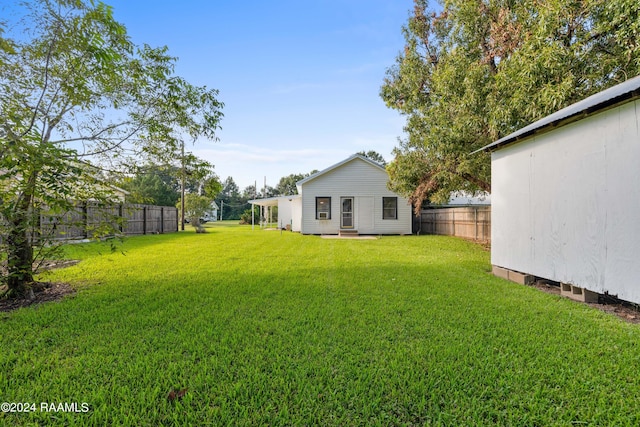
[[323, 207], [389, 208]]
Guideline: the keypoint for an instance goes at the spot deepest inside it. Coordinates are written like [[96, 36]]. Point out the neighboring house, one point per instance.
[[350, 196], [566, 196], [119, 194], [212, 214], [461, 198]]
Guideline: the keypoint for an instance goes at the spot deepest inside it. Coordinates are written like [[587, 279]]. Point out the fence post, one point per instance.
[[476, 220], [144, 219], [121, 215], [85, 214], [453, 220]]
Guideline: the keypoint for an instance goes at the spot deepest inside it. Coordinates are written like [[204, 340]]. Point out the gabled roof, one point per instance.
[[337, 165], [609, 98]]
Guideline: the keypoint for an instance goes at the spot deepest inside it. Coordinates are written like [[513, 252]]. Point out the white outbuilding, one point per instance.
[[566, 197]]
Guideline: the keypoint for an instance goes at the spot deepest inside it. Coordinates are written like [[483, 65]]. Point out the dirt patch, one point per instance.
[[42, 291], [546, 287], [624, 310]]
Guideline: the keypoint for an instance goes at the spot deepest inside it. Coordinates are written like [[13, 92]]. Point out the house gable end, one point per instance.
[[364, 183]]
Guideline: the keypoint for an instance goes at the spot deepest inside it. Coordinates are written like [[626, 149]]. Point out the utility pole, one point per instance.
[[221, 208], [253, 211]]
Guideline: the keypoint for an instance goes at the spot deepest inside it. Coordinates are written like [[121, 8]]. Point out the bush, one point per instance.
[[245, 218]]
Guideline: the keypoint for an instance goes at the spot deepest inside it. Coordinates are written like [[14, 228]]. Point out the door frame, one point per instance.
[[343, 212]]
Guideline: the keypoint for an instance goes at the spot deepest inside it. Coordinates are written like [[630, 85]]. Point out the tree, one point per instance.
[[154, 185], [250, 192], [211, 186], [195, 175], [195, 207], [248, 215], [287, 184], [373, 155], [73, 87], [230, 188], [160, 184], [232, 203], [480, 69]]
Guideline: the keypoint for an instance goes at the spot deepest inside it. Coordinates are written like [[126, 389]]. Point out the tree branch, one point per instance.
[[44, 87]]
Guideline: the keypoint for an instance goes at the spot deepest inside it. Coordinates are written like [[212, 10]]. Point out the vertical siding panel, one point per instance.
[[565, 203], [623, 204]]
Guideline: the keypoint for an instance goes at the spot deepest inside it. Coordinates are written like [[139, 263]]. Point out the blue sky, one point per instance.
[[300, 80]]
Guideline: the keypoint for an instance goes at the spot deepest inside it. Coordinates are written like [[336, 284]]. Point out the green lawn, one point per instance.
[[270, 328]]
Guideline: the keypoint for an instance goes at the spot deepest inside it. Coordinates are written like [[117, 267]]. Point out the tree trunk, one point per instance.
[[20, 256], [19, 245]]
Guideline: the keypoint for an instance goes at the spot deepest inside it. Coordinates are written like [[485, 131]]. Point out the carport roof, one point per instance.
[[272, 201]]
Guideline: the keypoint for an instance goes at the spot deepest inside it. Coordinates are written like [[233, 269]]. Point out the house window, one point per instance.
[[323, 207], [389, 208]]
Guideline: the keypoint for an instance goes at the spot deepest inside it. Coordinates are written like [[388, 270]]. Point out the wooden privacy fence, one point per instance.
[[469, 222], [86, 219], [146, 219]]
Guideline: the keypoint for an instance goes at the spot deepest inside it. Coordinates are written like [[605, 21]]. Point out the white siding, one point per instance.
[[296, 214], [367, 184], [365, 209], [285, 212], [565, 204]]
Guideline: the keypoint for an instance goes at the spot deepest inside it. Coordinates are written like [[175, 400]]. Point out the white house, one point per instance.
[[350, 196], [212, 213], [566, 196]]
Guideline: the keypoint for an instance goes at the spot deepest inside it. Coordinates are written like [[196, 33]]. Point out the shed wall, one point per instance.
[[367, 184], [565, 204]]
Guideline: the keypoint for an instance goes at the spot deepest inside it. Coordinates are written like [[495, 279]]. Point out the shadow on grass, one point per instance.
[[339, 333]]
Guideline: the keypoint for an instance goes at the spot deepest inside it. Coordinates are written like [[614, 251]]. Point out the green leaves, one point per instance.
[[480, 70], [195, 207], [73, 88]]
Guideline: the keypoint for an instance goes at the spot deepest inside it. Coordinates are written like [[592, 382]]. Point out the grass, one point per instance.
[[270, 328]]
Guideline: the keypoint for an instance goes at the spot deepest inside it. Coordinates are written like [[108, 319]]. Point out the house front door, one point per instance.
[[346, 212]]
